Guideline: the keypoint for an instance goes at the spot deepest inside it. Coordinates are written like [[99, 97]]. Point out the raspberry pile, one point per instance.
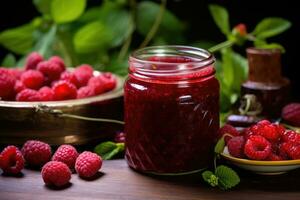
[[48, 80], [262, 141], [56, 171]]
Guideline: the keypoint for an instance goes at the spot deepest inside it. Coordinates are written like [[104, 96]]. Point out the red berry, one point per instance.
[[291, 114], [7, 83], [274, 157], [70, 77], [247, 133], [98, 84], [46, 94], [280, 129], [269, 132], [291, 136], [294, 152], [120, 137], [56, 173], [83, 74], [257, 148], [51, 70], [110, 81], [33, 60], [66, 154], [264, 122], [16, 72], [228, 129], [85, 92], [59, 61], [241, 29], [88, 164], [12, 161], [236, 146], [64, 90], [36, 153], [19, 86], [28, 95], [32, 79], [284, 150]]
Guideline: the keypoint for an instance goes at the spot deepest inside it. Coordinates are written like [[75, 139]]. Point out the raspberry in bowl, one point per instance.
[[50, 85]]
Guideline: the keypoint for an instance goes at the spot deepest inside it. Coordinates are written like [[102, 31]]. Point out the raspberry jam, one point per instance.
[[171, 109]]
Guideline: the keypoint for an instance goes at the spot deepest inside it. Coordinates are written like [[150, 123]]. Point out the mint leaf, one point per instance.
[[228, 178], [221, 18], [63, 11], [107, 150], [269, 27], [43, 6], [220, 145], [210, 178], [9, 61]]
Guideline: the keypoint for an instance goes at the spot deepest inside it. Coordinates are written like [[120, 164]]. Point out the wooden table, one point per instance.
[[117, 181]]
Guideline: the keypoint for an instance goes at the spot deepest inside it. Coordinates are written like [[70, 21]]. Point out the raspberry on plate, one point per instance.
[[19, 86], [33, 60], [12, 161], [46, 94], [64, 90], [36, 153], [51, 70], [56, 173], [70, 77], [227, 129], [83, 74], [98, 84], [88, 164], [28, 95], [257, 148], [236, 146], [110, 81], [85, 92], [66, 154], [294, 152], [291, 136], [59, 61], [32, 79], [7, 83], [274, 157]]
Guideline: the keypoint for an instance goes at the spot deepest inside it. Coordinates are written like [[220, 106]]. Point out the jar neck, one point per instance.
[[171, 63]]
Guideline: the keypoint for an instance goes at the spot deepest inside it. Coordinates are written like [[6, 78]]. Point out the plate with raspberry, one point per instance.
[[264, 148], [47, 100]]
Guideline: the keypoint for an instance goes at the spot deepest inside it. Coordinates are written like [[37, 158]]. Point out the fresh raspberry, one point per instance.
[[12, 161], [28, 95], [36, 153], [59, 61], [269, 132], [294, 152], [16, 72], [70, 77], [85, 92], [7, 83], [32, 79], [280, 129], [50, 69], [19, 86], [247, 133], [46, 94], [33, 60], [227, 129], [291, 114], [120, 137], [66, 154], [255, 129], [274, 157], [88, 164], [98, 84], [257, 148], [64, 90], [291, 136], [241, 29], [56, 173], [284, 150], [83, 74], [110, 81], [236, 146], [264, 122]]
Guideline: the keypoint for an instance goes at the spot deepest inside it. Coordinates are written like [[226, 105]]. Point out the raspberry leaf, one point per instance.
[[228, 178], [107, 150], [269, 27], [221, 18], [210, 178], [220, 146]]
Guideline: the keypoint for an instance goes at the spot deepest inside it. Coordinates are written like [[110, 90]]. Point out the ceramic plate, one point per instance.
[[262, 167]]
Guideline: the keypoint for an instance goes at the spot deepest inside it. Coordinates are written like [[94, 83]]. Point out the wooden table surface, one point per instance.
[[117, 181]]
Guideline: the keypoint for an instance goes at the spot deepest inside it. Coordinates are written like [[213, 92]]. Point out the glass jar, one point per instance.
[[171, 109]]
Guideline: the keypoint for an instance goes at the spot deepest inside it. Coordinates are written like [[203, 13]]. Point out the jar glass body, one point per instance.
[[171, 109]]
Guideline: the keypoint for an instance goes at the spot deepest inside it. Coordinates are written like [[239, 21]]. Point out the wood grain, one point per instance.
[[117, 182]]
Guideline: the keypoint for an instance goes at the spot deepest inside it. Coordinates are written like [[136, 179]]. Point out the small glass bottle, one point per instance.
[[171, 109]]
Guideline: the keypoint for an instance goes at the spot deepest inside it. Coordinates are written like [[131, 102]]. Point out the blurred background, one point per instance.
[[196, 27]]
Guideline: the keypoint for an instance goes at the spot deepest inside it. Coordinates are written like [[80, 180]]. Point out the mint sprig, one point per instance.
[[108, 150]]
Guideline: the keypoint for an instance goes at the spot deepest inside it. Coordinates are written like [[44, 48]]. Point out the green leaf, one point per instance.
[[64, 11], [92, 37], [220, 146], [227, 67], [18, 40], [107, 150], [210, 178], [43, 6], [240, 69], [118, 67], [228, 178], [9, 61], [221, 18], [44, 44], [269, 27], [271, 46]]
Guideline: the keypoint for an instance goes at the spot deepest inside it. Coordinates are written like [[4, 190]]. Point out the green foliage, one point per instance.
[[9, 61], [221, 18], [270, 27], [220, 145], [108, 150]]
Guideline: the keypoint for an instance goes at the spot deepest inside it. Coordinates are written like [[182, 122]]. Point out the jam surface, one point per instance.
[[170, 128]]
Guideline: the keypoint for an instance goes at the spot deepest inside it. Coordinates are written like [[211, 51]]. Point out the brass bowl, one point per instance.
[[21, 121]]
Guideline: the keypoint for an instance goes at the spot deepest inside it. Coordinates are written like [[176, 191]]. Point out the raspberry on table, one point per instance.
[[33, 60], [227, 129], [59, 61], [83, 74], [85, 92], [66, 154], [32, 79], [88, 164], [236, 146], [51, 70], [28, 95], [7, 83], [56, 173], [64, 90], [46, 94], [36, 153], [70, 77], [257, 148], [291, 114], [12, 161]]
